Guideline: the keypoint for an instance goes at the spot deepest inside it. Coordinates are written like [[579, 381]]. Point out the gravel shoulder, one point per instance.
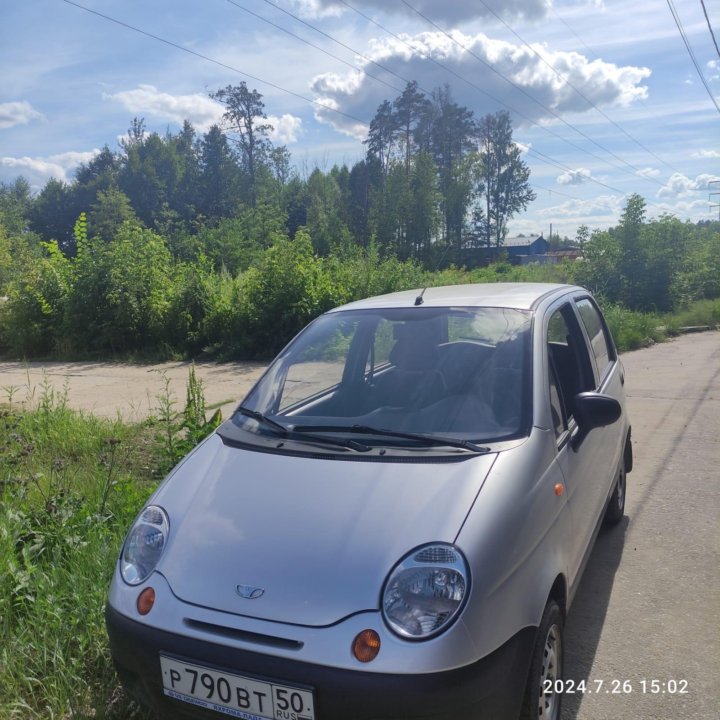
[[122, 390]]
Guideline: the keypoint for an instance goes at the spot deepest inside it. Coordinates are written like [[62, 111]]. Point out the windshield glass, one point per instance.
[[459, 372]]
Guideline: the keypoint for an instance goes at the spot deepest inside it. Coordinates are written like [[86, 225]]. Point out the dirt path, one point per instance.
[[112, 389]]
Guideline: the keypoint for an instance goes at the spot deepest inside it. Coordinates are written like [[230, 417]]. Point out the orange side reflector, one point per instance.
[[145, 601], [366, 646], [559, 489]]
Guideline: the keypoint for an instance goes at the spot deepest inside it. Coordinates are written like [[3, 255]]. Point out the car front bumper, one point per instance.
[[490, 688]]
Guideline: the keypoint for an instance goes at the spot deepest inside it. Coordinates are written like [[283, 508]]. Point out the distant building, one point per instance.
[[518, 250]]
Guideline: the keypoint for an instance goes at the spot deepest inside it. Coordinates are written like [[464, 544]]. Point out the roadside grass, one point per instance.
[[70, 486], [699, 314], [632, 329]]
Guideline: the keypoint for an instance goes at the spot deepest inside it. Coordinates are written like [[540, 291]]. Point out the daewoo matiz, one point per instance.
[[392, 524]]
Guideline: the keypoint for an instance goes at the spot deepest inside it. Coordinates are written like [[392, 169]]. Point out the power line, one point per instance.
[[712, 34], [313, 45], [492, 97], [338, 42], [577, 90], [217, 62], [519, 88], [578, 38], [681, 30]]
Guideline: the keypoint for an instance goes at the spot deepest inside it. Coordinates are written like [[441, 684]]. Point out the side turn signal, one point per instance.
[[366, 646], [145, 601]]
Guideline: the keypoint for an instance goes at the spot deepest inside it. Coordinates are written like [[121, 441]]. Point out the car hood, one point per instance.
[[318, 536]]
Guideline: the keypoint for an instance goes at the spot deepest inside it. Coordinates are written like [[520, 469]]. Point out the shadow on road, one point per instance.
[[587, 614]]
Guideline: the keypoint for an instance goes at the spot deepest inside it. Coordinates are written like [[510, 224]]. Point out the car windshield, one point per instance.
[[453, 372]]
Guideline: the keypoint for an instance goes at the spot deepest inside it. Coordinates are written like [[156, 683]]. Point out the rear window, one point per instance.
[[601, 347]]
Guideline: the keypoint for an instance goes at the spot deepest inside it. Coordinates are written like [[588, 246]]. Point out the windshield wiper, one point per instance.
[[418, 437], [292, 433], [263, 419]]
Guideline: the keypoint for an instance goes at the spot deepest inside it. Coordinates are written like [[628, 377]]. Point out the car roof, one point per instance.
[[521, 296]]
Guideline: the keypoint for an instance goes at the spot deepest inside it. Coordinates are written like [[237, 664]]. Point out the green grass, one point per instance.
[[70, 485], [631, 329], [700, 313]]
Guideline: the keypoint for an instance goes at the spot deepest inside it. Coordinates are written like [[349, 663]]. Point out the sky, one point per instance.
[[604, 98]]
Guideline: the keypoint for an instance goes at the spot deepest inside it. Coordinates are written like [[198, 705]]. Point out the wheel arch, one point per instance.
[[559, 593], [628, 451]]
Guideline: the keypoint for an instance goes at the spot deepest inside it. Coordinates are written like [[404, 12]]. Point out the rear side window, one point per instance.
[[569, 360], [601, 348]]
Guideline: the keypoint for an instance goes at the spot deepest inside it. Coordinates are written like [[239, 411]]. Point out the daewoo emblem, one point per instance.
[[249, 592]]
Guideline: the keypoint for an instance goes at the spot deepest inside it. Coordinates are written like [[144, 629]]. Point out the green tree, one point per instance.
[[324, 211], [150, 174], [501, 176], [15, 204], [381, 136], [409, 110], [244, 116], [450, 137], [220, 177], [53, 214], [237, 243], [111, 209], [424, 217]]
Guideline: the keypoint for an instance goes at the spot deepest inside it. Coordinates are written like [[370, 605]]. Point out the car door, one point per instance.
[[610, 379], [583, 457]]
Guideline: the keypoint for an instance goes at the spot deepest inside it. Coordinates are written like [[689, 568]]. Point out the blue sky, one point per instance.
[[73, 81]]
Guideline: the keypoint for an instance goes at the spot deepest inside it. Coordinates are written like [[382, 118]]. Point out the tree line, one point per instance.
[[184, 243], [434, 178]]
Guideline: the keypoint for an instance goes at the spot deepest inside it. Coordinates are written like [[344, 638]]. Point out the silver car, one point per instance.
[[392, 524]]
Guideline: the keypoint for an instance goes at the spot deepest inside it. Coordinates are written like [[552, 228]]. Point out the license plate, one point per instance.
[[234, 695]]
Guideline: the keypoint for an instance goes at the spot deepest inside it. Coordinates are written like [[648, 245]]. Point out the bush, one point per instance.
[[121, 292], [632, 329], [278, 297], [31, 319]]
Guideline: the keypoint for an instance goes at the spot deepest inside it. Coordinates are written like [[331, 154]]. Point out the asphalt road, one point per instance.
[[648, 607], [647, 615]]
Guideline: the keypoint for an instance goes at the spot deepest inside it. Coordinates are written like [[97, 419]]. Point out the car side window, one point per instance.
[[569, 357], [602, 349]]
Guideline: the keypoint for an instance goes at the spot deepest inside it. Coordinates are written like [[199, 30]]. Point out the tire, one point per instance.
[[616, 506], [546, 666]]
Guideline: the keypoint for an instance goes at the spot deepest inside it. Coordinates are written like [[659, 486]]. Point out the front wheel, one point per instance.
[[543, 694], [616, 507]]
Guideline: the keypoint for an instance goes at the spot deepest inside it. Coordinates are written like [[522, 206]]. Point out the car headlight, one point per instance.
[[144, 545], [425, 591]]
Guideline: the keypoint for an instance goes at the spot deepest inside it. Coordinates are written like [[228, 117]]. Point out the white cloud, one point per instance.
[[453, 11], [603, 206], [707, 154], [41, 169], [201, 110], [648, 172], [681, 186], [574, 177], [17, 113], [359, 95], [285, 128]]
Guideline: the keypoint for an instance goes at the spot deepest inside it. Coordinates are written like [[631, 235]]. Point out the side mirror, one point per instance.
[[593, 410]]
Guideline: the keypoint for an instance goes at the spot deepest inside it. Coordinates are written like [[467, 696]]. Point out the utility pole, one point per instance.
[[710, 197]]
